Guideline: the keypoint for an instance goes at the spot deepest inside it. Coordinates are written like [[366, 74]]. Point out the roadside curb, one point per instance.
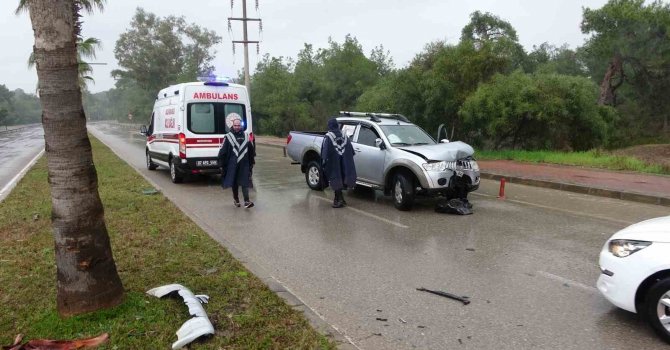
[[576, 188], [315, 320]]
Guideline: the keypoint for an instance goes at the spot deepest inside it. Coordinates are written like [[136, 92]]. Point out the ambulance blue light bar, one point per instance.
[[213, 80]]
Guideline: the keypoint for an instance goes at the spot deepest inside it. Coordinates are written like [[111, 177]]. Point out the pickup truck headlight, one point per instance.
[[435, 166], [622, 248]]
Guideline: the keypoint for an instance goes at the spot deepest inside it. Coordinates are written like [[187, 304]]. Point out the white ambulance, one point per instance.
[[188, 124]]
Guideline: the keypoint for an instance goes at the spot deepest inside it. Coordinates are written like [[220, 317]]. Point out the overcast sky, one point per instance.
[[402, 27]]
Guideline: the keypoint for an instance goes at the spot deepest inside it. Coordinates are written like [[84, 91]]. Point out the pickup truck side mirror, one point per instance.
[[143, 130], [444, 141], [379, 143]]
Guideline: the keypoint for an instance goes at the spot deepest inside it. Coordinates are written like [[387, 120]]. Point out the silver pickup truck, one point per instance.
[[393, 155]]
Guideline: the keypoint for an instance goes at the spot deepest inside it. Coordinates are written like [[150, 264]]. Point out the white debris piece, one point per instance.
[[194, 328]]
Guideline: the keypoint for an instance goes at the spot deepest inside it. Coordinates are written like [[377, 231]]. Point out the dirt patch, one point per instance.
[[652, 154]]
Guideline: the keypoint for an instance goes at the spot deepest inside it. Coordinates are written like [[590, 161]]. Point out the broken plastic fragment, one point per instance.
[[150, 191], [197, 326]]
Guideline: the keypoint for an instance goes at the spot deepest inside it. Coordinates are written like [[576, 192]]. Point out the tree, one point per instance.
[[630, 45], [548, 59], [6, 104], [488, 32], [3, 117], [156, 52], [87, 278], [275, 95], [540, 111], [86, 49]]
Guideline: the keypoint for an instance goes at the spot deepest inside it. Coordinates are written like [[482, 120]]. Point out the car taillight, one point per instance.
[[251, 137], [288, 139], [182, 146]]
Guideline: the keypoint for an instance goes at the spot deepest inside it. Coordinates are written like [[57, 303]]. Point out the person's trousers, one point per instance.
[[245, 193]]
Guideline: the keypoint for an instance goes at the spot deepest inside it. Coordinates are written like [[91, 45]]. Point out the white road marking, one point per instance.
[[370, 215], [568, 281], [12, 183], [558, 209]]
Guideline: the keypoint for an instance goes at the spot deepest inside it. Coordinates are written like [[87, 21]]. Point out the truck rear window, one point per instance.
[[214, 117]]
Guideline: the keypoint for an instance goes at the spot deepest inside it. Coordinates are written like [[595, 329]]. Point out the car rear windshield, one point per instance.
[[214, 117], [406, 135]]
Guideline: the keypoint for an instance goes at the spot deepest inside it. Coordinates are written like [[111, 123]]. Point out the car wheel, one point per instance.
[[150, 164], [657, 308], [175, 174], [314, 175], [403, 192]]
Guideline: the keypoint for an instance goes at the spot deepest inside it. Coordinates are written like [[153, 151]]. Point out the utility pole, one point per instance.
[[246, 40]]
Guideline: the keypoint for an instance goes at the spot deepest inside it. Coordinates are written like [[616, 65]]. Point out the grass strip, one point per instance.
[[593, 158], [154, 244]]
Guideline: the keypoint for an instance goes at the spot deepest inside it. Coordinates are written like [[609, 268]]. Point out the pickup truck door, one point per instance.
[[369, 158]]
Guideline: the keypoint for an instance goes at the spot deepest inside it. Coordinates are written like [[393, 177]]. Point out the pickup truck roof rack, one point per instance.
[[374, 116]]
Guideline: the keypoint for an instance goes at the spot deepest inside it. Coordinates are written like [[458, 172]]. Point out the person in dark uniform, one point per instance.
[[337, 162], [236, 157]]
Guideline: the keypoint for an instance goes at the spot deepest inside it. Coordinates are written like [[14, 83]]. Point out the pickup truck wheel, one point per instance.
[[314, 175], [657, 308], [403, 192], [150, 163], [175, 175]]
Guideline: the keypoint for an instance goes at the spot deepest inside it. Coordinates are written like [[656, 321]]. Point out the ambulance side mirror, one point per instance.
[[143, 130]]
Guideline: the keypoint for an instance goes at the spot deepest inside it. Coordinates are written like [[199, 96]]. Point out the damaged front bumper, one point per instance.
[[197, 326]]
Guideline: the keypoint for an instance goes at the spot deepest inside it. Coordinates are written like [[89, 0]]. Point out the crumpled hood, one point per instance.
[[443, 151], [653, 230]]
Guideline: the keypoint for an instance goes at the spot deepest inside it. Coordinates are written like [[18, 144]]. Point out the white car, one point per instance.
[[635, 266]]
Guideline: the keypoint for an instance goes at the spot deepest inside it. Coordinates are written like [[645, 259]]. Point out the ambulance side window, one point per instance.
[[202, 119]]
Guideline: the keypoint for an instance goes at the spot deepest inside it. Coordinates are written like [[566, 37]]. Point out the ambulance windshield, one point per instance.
[[210, 117]]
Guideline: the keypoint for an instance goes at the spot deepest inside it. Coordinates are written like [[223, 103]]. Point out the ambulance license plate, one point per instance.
[[206, 163]]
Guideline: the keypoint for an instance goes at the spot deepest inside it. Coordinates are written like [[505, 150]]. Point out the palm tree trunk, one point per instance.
[[86, 271]]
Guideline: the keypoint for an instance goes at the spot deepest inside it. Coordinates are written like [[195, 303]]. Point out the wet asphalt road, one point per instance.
[[17, 149], [528, 263]]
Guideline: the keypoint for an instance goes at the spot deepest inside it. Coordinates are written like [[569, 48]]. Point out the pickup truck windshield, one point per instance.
[[406, 135]]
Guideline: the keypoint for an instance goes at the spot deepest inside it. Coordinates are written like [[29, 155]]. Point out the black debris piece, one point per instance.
[[382, 319], [463, 299], [453, 206]]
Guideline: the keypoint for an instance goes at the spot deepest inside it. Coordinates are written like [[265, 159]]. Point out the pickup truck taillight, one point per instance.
[[288, 139], [182, 146]]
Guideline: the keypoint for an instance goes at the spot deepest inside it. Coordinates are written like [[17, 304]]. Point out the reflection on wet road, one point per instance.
[[17, 149], [528, 264]]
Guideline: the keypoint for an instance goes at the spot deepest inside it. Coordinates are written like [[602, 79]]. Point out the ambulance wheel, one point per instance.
[[150, 163], [175, 174], [314, 176], [403, 192]]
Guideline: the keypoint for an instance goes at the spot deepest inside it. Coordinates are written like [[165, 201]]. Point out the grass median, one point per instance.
[[154, 244], [594, 159]]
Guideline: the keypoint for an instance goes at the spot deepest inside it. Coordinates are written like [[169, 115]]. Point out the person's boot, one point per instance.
[[337, 202]]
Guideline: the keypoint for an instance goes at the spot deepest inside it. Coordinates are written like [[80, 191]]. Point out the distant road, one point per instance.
[[17, 149]]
